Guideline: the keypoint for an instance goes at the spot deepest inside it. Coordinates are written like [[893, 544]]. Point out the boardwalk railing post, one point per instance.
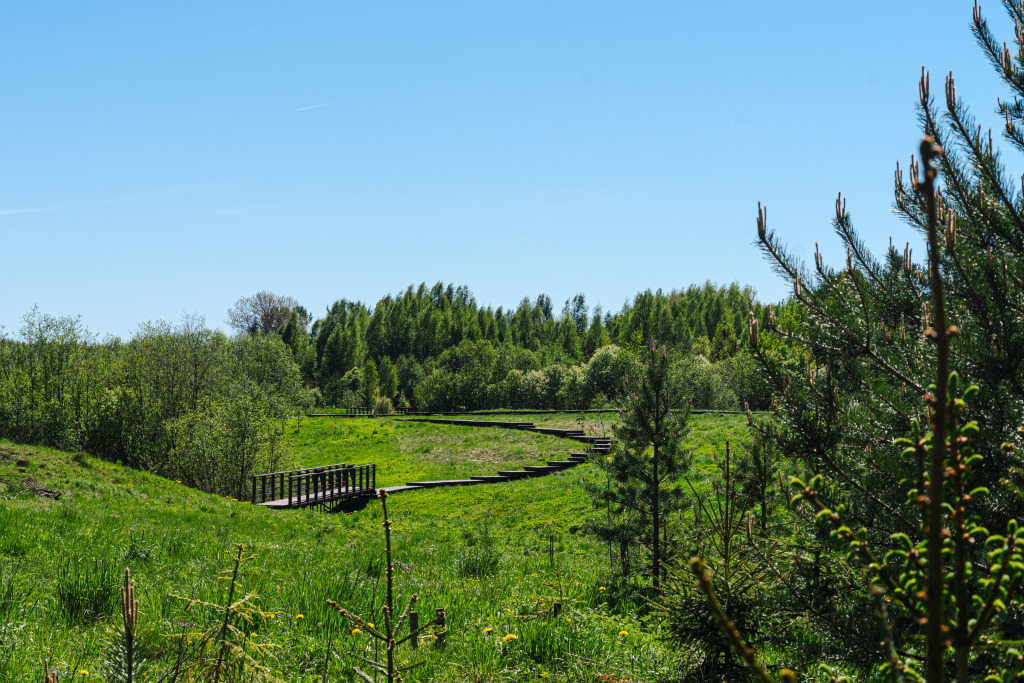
[[440, 629], [414, 625], [253, 499], [289, 489]]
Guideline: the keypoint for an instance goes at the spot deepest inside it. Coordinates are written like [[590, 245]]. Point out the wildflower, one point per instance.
[[601, 588], [623, 633], [488, 630], [253, 634], [568, 619], [509, 638], [299, 617], [356, 632], [370, 624], [83, 672]]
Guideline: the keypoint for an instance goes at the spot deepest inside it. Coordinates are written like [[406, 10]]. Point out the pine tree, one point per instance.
[[641, 489], [877, 337]]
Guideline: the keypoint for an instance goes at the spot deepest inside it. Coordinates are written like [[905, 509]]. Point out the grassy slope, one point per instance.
[[175, 540]]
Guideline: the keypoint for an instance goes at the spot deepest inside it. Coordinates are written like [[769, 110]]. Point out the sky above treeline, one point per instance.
[[169, 158]]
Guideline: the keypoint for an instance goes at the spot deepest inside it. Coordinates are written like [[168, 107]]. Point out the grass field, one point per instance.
[[494, 556]]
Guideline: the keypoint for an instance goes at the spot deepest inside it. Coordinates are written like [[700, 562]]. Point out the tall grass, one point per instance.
[[86, 591]]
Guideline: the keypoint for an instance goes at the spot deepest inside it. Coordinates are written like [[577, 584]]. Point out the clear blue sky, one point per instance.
[[161, 158]]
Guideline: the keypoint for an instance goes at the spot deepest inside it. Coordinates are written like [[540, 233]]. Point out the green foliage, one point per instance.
[[228, 646], [915, 491], [388, 378], [123, 663], [702, 383], [450, 354], [723, 541], [183, 401], [641, 489], [370, 383]]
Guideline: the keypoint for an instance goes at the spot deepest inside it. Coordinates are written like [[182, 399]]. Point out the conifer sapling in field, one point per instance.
[[644, 468]]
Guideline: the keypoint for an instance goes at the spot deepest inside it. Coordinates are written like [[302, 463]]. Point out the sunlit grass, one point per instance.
[[175, 539]]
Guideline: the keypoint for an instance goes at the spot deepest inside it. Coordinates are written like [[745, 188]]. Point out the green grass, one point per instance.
[[407, 451], [176, 540]]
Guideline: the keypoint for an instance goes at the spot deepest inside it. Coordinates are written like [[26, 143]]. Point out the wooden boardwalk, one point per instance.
[[593, 444], [337, 486], [321, 487]]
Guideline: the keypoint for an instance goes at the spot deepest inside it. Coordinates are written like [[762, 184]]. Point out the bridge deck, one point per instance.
[[307, 499]]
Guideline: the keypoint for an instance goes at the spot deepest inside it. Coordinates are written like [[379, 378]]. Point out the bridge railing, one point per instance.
[[274, 485], [330, 483], [314, 485], [278, 485]]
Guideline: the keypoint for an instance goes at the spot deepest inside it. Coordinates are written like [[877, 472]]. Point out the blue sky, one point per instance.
[[162, 158]]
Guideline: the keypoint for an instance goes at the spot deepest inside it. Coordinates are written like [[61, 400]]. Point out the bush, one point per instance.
[[382, 406]]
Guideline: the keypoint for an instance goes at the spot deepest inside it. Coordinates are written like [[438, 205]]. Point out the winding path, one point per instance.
[[594, 444]]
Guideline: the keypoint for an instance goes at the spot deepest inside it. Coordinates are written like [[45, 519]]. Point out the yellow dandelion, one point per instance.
[[568, 619], [253, 634], [356, 632], [601, 588], [370, 624], [300, 617], [488, 629], [623, 633], [509, 638], [83, 672]]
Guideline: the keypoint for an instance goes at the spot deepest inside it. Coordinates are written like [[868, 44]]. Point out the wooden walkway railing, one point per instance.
[[314, 486]]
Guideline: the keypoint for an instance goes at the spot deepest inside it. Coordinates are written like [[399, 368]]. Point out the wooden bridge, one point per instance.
[[321, 487]]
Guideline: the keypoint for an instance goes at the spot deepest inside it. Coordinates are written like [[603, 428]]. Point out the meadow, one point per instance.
[[494, 556]]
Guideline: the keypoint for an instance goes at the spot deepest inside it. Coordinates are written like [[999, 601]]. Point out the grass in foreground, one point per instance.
[[480, 552]]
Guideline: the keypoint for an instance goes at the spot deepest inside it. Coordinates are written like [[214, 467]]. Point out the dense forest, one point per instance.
[[437, 349]]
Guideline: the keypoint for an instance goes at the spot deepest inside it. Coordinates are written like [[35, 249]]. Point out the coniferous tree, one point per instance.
[[878, 336], [643, 470]]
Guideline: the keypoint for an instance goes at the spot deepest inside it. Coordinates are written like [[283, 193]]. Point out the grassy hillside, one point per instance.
[[480, 552]]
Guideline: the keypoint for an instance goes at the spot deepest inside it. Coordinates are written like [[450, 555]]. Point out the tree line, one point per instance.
[[437, 349], [183, 401]]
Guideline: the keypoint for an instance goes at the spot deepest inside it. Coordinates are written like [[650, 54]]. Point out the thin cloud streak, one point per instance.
[[315, 106], [13, 212]]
